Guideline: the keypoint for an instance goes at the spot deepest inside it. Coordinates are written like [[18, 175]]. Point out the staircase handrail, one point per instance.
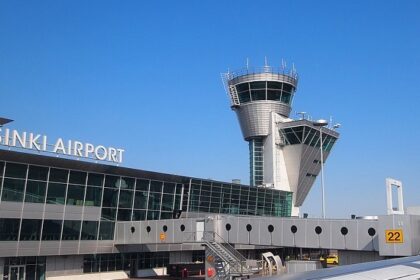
[[216, 237]]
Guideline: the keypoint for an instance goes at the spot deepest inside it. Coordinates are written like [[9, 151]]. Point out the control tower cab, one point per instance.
[[284, 153]]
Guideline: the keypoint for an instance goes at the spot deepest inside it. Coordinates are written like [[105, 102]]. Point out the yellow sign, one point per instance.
[[394, 236], [162, 236]]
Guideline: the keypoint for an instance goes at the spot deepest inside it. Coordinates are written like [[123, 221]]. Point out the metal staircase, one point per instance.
[[228, 262]]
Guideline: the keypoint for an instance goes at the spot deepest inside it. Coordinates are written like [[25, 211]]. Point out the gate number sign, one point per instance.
[[394, 236]]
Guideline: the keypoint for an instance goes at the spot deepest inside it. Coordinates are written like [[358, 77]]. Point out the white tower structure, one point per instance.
[[284, 153]]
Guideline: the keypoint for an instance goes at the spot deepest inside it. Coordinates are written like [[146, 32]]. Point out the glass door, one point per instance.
[[17, 272]]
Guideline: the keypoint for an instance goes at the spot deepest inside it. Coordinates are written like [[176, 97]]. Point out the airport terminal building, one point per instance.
[[64, 216], [56, 209]]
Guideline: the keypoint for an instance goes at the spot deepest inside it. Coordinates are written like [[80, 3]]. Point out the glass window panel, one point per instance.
[[273, 95], [299, 132], [15, 170], [244, 97], [205, 193], [140, 201], [167, 202], [38, 173], [51, 230], [112, 181], [89, 230], [287, 87], [166, 215], [95, 179], [1, 168], [35, 191], [242, 87], [30, 230], [126, 199], [75, 195], [315, 141], [330, 144], [178, 188], [258, 95], [110, 198], [127, 183], [30, 272], [196, 181], [258, 85], [58, 175], [153, 215], [9, 229], [155, 186], [13, 190], [206, 185], [177, 204], [93, 196], [310, 133], [139, 215], [274, 85], [71, 230], [106, 231], [168, 187], [124, 215], [40, 271], [109, 214], [142, 185], [215, 207], [56, 193], [77, 177], [291, 136], [285, 97], [154, 201]]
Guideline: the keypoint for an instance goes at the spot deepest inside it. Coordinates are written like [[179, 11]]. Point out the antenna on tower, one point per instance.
[[283, 65], [247, 63], [266, 67], [293, 69]]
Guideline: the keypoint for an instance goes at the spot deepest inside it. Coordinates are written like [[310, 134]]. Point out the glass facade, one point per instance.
[[29, 267], [307, 135], [265, 90], [122, 198], [114, 262], [216, 197], [256, 165]]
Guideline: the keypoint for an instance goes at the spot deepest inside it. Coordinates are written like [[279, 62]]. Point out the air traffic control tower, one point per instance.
[[284, 153]]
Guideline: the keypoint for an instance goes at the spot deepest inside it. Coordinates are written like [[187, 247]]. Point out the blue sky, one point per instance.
[[145, 76]]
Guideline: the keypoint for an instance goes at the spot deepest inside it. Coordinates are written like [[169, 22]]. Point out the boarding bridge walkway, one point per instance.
[[388, 235]]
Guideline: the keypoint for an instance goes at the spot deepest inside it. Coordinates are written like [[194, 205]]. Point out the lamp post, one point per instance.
[[321, 124]]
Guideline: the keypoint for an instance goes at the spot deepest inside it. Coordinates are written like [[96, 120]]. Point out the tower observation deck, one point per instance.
[[283, 153]]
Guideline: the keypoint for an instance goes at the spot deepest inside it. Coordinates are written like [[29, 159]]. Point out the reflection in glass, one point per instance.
[[35, 191], [89, 230], [30, 230], [106, 231], [9, 229], [15, 170], [51, 230], [75, 195], [71, 230], [13, 190], [56, 193]]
